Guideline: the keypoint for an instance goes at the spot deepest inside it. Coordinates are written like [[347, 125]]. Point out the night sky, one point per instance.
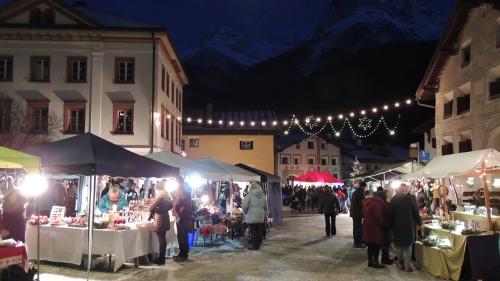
[[278, 21]]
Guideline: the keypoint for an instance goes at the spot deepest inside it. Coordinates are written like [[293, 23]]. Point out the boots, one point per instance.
[[376, 264]]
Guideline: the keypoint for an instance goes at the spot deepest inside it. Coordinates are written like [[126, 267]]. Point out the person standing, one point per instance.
[[330, 207], [159, 211], [302, 198], [373, 223], [184, 213], [356, 213], [404, 221], [13, 217], [255, 207]]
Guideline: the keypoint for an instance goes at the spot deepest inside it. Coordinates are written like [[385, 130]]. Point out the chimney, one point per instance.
[[80, 3], [210, 111]]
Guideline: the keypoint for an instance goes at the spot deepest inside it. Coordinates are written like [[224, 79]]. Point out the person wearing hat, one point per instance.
[[356, 213]]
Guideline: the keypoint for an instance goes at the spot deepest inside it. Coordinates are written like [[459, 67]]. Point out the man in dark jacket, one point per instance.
[[356, 212], [184, 213], [404, 220], [330, 207]]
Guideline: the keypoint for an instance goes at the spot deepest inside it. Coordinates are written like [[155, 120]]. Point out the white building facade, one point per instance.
[[71, 72], [464, 75], [306, 154]]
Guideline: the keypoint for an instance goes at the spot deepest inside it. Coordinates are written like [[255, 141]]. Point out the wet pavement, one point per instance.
[[296, 250]]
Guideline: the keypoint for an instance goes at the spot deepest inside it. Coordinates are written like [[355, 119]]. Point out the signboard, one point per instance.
[[425, 155], [413, 152], [57, 213]]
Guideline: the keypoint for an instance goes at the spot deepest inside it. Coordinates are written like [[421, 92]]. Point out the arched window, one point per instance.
[[35, 16], [49, 17]]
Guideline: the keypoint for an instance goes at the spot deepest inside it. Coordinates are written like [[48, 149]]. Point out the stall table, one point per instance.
[[67, 244], [483, 220], [447, 263], [13, 256]]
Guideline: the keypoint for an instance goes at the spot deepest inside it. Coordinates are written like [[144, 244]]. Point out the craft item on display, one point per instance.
[[35, 220], [57, 215]]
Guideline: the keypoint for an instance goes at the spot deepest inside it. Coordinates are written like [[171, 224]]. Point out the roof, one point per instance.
[[424, 127], [448, 46], [391, 172], [265, 177], [259, 121], [286, 141]]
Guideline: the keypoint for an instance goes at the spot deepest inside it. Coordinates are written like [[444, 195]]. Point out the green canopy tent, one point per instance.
[[13, 159]]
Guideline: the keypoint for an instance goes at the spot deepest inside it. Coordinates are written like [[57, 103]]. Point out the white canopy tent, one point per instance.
[[186, 166], [479, 163], [226, 171], [460, 164]]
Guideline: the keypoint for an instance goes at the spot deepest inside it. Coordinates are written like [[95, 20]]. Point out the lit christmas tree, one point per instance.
[[357, 169]]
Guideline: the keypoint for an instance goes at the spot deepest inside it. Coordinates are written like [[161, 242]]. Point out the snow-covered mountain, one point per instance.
[[352, 25], [228, 44]]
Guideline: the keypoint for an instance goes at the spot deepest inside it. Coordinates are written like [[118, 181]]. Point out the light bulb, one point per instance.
[[189, 120], [200, 121], [408, 101], [392, 133], [341, 116], [374, 110], [242, 123], [231, 123], [221, 122], [318, 119], [285, 122], [275, 123], [337, 134], [351, 114], [209, 121], [263, 123], [329, 118], [363, 112], [286, 132], [386, 107], [396, 104], [252, 123]]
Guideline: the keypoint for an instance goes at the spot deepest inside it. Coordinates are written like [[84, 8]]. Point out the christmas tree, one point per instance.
[[357, 169]]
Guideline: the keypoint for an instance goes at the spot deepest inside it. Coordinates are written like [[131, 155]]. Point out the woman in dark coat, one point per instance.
[[13, 219], [404, 221], [159, 209], [330, 207], [184, 213], [373, 227]]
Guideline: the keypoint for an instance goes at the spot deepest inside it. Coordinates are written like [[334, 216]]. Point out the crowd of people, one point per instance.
[[302, 199], [379, 220]]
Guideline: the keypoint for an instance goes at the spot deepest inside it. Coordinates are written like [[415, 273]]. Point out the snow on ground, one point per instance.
[[296, 250]]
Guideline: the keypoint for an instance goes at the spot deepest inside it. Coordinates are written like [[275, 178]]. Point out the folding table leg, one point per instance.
[[110, 267]]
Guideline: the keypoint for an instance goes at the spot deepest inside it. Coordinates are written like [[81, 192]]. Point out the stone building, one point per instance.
[[74, 69], [462, 80]]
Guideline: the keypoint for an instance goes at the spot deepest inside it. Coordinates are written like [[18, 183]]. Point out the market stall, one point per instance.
[[318, 178], [384, 176], [443, 249], [273, 190], [90, 155]]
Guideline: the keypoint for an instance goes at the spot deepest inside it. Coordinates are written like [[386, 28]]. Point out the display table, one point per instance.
[[483, 220], [67, 244], [446, 263], [12, 256]]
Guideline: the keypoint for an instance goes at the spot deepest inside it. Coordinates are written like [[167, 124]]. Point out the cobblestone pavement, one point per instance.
[[296, 250]]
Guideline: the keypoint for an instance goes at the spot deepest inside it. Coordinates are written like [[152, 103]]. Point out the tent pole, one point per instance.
[[487, 199], [38, 239], [90, 222]]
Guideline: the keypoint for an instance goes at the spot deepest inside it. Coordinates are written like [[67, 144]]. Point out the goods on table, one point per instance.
[[430, 241], [35, 220], [101, 223], [471, 231], [450, 225]]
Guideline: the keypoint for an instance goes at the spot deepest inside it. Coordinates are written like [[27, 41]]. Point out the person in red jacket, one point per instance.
[[184, 214], [373, 232]]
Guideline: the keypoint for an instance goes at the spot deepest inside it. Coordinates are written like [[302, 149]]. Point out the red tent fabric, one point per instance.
[[323, 177]]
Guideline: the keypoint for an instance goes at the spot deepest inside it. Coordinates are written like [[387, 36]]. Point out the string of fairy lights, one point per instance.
[[368, 123]]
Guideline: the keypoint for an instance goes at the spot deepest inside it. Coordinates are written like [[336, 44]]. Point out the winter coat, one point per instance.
[[255, 205], [356, 210], [404, 219], [159, 209], [105, 205], [184, 210], [422, 200], [329, 205], [373, 220]]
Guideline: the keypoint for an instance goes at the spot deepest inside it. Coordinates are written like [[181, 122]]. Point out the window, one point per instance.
[[194, 142], [168, 85], [162, 122], [5, 112], [167, 125], [296, 160], [163, 78], [466, 55], [310, 145], [49, 17], [172, 89], [336, 175], [38, 116], [447, 148], [123, 118], [495, 89], [40, 69], [246, 145], [6, 68], [323, 145], [310, 161], [334, 161], [433, 142], [324, 160], [74, 118], [448, 109], [77, 69], [35, 16], [124, 70], [284, 160], [497, 43], [297, 146], [465, 145], [463, 104]]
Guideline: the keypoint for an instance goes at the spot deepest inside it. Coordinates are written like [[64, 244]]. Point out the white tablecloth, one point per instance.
[[67, 244]]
